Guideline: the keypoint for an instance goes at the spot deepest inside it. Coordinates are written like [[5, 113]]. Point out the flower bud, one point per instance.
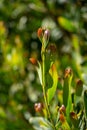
[[46, 35], [43, 35], [62, 118], [33, 61], [38, 107], [62, 109], [40, 33], [68, 71]]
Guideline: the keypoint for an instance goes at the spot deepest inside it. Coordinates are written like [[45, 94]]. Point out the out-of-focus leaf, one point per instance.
[[66, 24], [40, 123], [76, 54], [2, 113], [2, 125], [51, 91]]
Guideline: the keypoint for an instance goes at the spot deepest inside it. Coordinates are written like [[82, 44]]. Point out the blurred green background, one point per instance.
[[19, 21]]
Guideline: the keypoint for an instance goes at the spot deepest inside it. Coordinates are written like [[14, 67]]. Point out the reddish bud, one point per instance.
[[68, 71], [38, 107], [43, 35], [46, 35], [40, 33], [62, 118], [33, 61], [62, 109]]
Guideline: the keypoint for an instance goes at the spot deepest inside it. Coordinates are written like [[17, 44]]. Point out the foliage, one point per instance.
[[20, 87]]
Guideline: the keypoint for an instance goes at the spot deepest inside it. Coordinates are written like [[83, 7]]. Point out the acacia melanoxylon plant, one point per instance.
[[64, 107]]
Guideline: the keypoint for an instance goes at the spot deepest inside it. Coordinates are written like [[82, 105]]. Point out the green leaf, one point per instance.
[[66, 24], [65, 126], [65, 92], [69, 104], [39, 71], [85, 101], [51, 91], [67, 99], [79, 88], [48, 78]]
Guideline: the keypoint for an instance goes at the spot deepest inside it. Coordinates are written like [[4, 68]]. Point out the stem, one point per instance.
[[44, 86], [44, 80]]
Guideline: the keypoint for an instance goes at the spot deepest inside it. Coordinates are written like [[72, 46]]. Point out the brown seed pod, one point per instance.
[[52, 48], [73, 115]]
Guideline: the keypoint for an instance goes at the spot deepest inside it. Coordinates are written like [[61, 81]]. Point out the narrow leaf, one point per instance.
[[39, 71], [67, 100], [65, 92], [51, 91], [66, 126], [79, 87], [85, 101]]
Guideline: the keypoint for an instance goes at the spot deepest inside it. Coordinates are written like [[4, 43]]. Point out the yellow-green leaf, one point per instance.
[[66, 24], [51, 91]]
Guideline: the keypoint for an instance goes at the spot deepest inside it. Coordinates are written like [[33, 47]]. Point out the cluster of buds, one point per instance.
[[43, 35], [62, 111]]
